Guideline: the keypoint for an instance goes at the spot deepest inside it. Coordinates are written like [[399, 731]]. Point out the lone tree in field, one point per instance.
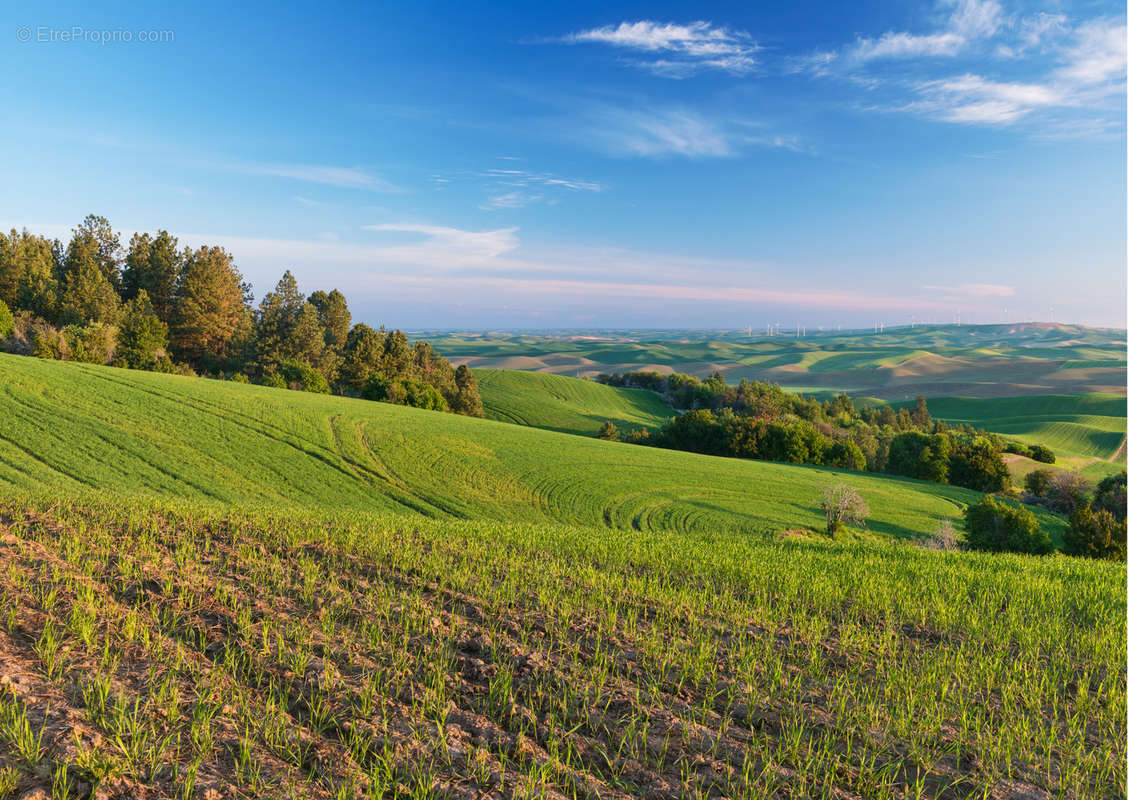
[[842, 504]]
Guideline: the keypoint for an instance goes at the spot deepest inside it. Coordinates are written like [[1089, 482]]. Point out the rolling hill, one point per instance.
[[1082, 426], [559, 403], [140, 433], [1085, 431], [894, 364], [227, 591]]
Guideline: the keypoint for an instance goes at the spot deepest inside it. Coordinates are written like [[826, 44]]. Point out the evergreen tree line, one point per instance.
[[762, 421], [157, 306]]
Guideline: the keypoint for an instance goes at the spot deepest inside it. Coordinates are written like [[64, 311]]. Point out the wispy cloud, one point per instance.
[[974, 290], [658, 132], [1070, 74], [655, 132], [970, 20], [516, 188], [679, 51], [1034, 32], [1091, 69], [972, 98], [510, 200], [343, 177], [520, 177], [460, 246]]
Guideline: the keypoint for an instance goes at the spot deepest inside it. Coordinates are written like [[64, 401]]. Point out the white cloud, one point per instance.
[[904, 45], [344, 177], [683, 50]]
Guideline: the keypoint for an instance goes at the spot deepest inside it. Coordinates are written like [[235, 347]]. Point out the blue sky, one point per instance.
[[596, 164]]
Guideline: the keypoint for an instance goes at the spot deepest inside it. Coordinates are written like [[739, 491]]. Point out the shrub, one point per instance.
[[421, 395], [1037, 482], [609, 432], [1068, 491], [302, 377], [91, 344], [1111, 495], [1095, 534], [1039, 452], [1018, 448], [404, 393], [977, 464], [639, 436], [944, 538], [1001, 527], [273, 380], [918, 455], [47, 341], [842, 504], [846, 455]]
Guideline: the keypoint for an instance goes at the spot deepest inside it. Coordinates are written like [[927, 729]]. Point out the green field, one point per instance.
[[220, 590], [145, 433], [1086, 432], [558, 403], [1085, 426], [896, 364], [168, 650]]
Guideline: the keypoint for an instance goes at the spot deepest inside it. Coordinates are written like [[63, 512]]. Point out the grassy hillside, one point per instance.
[[559, 403], [73, 426], [219, 590], [897, 364], [1086, 432], [158, 652], [1086, 426]]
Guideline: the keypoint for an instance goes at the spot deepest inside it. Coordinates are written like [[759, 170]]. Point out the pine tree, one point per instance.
[[153, 265], [360, 357], [333, 312], [211, 299], [468, 401], [277, 318], [142, 337], [88, 295], [29, 274]]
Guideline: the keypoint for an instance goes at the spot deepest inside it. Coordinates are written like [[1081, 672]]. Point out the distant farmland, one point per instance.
[[969, 361]]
